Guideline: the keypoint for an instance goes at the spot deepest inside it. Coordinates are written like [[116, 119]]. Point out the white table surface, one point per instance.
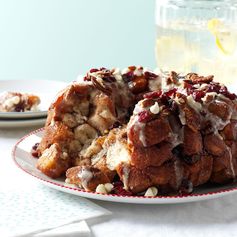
[[216, 217]]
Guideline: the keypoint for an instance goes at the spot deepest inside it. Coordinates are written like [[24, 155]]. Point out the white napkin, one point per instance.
[[73, 230], [27, 211]]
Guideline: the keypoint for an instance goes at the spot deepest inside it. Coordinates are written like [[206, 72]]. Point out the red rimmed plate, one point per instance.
[[25, 161]]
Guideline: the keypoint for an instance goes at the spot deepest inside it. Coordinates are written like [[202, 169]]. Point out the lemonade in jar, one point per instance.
[[198, 36]]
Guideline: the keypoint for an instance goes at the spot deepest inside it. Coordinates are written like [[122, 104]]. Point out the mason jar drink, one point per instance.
[[198, 36]]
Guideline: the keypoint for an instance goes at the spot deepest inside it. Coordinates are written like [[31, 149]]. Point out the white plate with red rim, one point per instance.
[[25, 161], [45, 89]]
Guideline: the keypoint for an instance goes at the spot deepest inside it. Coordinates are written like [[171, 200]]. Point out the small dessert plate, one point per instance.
[[46, 90], [25, 161], [22, 123]]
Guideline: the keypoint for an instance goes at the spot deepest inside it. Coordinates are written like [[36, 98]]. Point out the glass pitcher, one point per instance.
[[198, 36]]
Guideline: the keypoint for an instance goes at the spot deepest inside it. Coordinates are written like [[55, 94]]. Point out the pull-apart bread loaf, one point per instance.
[[135, 131]]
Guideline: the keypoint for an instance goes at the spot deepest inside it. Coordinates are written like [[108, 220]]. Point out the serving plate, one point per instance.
[[46, 90], [26, 162]]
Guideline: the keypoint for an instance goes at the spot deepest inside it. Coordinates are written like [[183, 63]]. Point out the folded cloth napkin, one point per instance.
[[79, 229], [27, 211]]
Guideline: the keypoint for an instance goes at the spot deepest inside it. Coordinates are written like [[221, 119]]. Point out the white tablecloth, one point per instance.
[[216, 217]]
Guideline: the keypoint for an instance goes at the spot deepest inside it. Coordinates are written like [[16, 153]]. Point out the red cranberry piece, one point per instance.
[[34, 152], [152, 95], [102, 69], [144, 116], [94, 70], [119, 190], [118, 183], [127, 77], [214, 87], [198, 95], [20, 107], [150, 75], [227, 94], [165, 98], [86, 78], [171, 92], [188, 86]]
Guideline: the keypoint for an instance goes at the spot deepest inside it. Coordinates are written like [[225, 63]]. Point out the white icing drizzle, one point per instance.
[[142, 138], [175, 139], [125, 176], [182, 117], [231, 162], [193, 104], [216, 121], [85, 176]]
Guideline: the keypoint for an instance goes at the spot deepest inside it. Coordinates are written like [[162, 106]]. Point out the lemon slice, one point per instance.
[[225, 40]]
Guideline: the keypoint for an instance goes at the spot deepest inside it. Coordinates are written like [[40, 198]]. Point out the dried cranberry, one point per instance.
[[144, 116], [171, 92], [102, 69], [127, 77], [165, 98], [119, 190], [152, 95], [227, 94], [34, 152], [198, 95], [94, 70], [150, 75], [86, 78], [20, 107], [188, 86], [214, 87]]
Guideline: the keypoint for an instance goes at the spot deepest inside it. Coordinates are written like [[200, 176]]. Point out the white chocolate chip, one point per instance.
[[109, 187], [67, 182], [104, 188], [15, 99], [151, 192], [12, 101], [155, 109], [101, 189]]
